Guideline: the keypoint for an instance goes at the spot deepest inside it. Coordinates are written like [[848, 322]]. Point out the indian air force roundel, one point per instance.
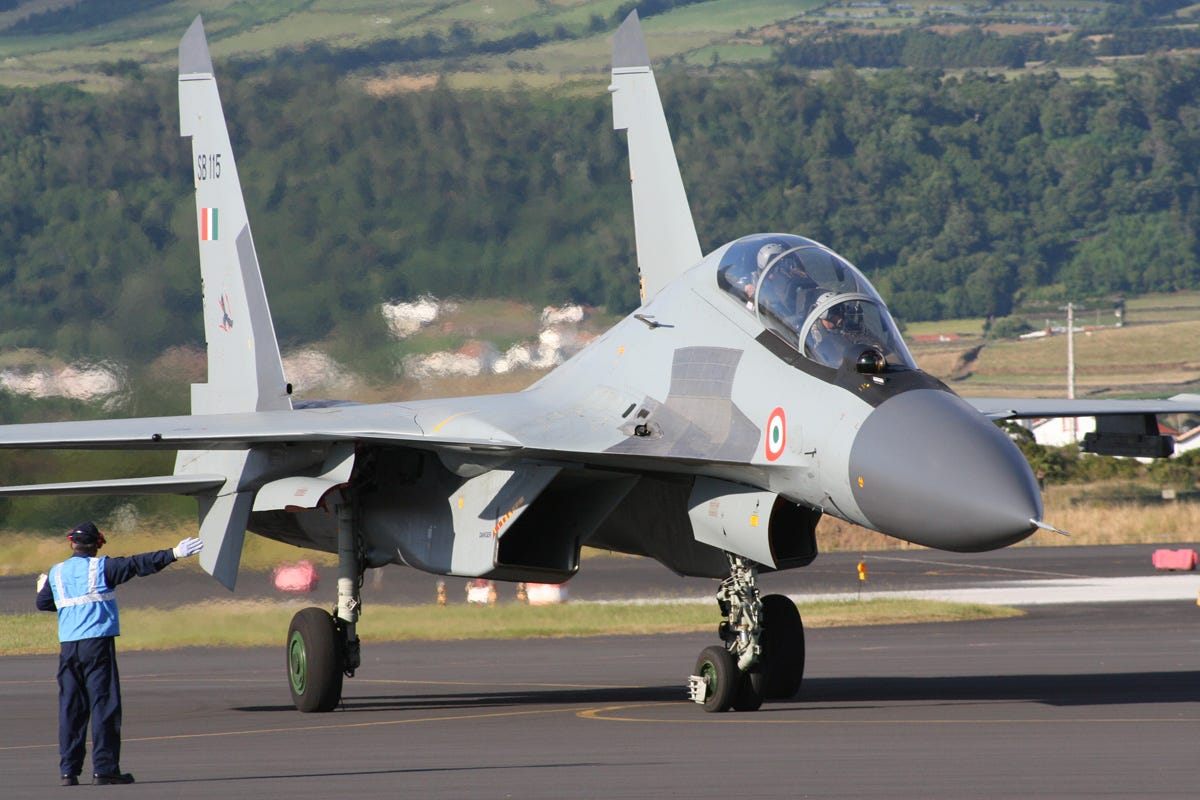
[[776, 434]]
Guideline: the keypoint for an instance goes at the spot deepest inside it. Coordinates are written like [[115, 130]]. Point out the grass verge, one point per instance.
[[30, 554], [258, 623]]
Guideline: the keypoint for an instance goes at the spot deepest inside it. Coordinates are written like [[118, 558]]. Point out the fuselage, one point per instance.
[[734, 393], [701, 381]]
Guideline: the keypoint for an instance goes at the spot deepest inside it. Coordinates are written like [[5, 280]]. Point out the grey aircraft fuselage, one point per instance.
[[691, 386]]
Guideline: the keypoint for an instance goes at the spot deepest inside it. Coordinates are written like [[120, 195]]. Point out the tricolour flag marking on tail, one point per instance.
[[208, 224]]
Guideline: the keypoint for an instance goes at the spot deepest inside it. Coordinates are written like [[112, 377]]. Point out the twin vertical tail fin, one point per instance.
[[662, 220], [245, 371]]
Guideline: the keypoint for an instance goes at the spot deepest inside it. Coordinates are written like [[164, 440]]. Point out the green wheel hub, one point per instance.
[[297, 663], [315, 655]]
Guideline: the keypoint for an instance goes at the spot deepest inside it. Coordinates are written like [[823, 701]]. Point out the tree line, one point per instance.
[[958, 195]]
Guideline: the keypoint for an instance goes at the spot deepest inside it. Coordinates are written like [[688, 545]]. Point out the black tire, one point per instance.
[[720, 674], [313, 661], [751, 690], [782, 647]]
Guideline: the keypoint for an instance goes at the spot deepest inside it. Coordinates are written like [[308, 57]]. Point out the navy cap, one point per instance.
[[86, 533]]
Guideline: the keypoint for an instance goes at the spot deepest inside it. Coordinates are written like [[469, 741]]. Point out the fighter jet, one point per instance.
[[757, 388]]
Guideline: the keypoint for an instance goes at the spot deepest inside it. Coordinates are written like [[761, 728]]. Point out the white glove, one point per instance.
[[42, 581], [189, 547]]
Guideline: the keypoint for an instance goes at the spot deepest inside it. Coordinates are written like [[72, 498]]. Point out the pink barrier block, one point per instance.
[[1175, 559], [298, 577]]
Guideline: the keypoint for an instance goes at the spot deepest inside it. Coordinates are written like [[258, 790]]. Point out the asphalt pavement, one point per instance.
[[1082, 700]]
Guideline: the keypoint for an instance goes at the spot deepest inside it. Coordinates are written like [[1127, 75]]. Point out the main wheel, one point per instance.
[[751, 689], [721, 677], [313, 661], [782, 646]]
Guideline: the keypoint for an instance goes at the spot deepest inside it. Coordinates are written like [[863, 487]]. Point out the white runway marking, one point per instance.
[[1039, 592]]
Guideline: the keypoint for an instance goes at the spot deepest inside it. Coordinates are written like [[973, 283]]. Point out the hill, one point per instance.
[[400, 44]]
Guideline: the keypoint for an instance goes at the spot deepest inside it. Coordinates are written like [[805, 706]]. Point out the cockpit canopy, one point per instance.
[[814, 300]]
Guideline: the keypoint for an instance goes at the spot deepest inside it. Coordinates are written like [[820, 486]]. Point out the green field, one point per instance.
[[80, 50], [251, 30], [1153, 354], [259, 624]]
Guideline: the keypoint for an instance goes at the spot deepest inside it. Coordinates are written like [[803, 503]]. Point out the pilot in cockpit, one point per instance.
[[827, 342], [787, 290], [743, 278]]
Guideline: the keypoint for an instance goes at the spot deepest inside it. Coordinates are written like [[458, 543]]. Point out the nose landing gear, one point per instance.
[[763, 652]]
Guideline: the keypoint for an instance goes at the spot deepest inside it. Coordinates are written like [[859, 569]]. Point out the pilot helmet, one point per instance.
[[766, 253], [832, 311]]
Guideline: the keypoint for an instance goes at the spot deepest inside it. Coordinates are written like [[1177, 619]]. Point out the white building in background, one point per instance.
[[1060, 431], [1187, 440], [75, 381], [1057, 432], [405, 319]]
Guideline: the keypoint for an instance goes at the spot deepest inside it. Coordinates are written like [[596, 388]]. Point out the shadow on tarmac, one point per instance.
[[406, 771], [516, 697], [1097, 689]]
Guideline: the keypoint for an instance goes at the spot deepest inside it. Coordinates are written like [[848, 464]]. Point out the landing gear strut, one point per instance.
[[763, 654], [322, 648]]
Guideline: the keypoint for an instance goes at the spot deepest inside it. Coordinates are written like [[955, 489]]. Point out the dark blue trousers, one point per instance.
[[89, 686]]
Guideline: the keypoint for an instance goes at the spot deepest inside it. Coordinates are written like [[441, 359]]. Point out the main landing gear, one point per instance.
[[322, 648], [763, 653]]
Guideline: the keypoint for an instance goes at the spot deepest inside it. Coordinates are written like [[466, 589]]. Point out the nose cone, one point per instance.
[[927, 467]]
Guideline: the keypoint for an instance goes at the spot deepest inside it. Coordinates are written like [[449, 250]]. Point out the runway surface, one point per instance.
[[1020, 575], [1082, 700]]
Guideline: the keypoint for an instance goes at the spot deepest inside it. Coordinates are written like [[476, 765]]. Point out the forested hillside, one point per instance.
[[956, 194]]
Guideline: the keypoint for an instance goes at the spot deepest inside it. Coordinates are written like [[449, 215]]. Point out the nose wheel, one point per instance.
[[763, 652], [716, 681]]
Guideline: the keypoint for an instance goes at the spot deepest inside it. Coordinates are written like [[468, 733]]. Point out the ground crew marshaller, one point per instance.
[[80, 589]]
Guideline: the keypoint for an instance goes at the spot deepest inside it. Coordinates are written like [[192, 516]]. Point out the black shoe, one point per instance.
[[106, 780], [69, 780]]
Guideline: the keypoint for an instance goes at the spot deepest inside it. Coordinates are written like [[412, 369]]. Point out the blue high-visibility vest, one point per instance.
[[87, 605]]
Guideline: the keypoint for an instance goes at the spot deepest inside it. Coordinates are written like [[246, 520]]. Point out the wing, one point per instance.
[[999, 408], [1123, 427]]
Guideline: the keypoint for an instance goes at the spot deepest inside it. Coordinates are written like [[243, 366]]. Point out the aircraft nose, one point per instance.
[[927, 467]]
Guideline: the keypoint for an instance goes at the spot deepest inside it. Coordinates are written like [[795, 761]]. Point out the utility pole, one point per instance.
[[1070, 351], [1070, 309]]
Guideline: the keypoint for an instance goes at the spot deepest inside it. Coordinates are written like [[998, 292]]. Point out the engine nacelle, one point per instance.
[[754, 524]]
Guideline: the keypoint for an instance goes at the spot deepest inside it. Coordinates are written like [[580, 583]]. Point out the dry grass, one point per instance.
[[1094, 523], [1129, 360], [30, 554]]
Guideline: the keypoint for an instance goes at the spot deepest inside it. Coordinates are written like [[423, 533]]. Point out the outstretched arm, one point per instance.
[[118, 569]]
